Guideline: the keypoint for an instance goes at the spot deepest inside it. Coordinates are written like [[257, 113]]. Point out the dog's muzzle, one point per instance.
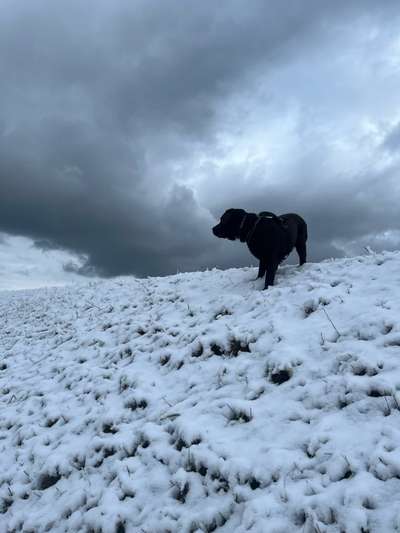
[[217, 230]]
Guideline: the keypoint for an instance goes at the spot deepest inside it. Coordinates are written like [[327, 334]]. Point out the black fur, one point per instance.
[[270, 238]]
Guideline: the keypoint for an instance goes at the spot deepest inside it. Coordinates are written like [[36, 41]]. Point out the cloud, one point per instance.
[[126, 127], [24, 266]]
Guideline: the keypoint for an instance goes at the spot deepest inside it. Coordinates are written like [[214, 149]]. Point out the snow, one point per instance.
[[199, 402]]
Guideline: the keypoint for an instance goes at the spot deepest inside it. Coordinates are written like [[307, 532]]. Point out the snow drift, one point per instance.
[[198, 402]]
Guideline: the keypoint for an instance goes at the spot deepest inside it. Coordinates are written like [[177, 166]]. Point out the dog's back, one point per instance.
[[295, 226]]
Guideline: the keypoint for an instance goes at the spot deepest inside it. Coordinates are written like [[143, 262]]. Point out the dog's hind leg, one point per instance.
[[261, 269], [302, 251], [301, 243]]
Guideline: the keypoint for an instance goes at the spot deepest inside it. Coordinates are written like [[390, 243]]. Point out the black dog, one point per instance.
[[270, 238]]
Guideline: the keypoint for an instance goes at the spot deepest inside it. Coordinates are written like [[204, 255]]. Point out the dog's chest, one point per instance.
[[276, 248]]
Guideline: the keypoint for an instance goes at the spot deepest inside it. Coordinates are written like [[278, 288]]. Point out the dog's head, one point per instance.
[[229, 225]]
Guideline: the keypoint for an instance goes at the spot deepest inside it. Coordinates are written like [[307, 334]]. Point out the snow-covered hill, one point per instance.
[[198, 402]]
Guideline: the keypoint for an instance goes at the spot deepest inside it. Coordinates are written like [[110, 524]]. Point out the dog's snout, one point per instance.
[[215, 230]]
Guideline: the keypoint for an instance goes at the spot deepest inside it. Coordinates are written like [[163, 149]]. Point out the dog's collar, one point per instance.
[[242, 223], [249, 236], [241, 236]]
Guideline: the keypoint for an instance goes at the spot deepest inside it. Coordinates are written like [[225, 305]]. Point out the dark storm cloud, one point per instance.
[[108, 107]]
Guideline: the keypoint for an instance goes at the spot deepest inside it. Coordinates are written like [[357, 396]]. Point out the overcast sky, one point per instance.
[[128, 127]]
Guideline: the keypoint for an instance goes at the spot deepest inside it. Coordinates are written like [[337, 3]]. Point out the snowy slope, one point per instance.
[[198, 402]]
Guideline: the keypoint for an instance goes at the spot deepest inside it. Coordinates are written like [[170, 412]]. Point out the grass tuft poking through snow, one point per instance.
[[198, 402]]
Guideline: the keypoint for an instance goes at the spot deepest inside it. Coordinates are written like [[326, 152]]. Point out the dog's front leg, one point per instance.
[[272, 267]]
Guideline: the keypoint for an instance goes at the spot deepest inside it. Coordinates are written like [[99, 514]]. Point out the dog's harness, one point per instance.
[[250, 234]]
